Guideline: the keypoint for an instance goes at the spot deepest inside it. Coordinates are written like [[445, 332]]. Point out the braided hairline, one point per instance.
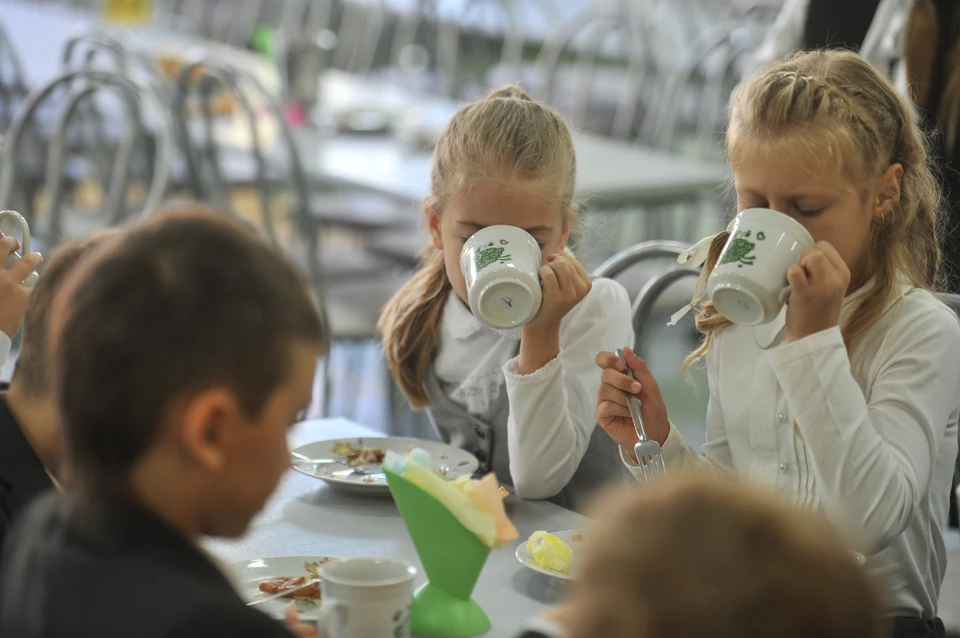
[[867, 120]]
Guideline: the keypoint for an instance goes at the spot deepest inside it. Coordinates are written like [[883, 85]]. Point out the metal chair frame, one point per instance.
[[83, 85]]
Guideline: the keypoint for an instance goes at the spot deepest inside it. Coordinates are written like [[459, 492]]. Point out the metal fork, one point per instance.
[[649, 454], [300, 459]]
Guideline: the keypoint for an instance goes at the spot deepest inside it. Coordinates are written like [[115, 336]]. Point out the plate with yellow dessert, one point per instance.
[[554, 554]]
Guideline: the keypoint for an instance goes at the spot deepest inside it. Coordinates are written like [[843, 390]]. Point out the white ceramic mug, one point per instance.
[[366, 597], [15, 256], [748, 286], [501, 265]]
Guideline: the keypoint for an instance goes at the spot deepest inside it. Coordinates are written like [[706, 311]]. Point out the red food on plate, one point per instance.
[[284, 583]]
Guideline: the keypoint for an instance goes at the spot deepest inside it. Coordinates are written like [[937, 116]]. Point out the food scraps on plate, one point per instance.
[[286, 583]]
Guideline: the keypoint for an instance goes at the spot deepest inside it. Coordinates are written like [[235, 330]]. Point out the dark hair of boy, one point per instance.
[[187, 302], [181, 355]]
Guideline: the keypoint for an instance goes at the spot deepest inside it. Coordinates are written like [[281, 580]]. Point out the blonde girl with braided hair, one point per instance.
[[520, 401], [848, 401]]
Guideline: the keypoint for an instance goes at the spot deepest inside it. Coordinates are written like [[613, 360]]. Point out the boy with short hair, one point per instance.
[[181, 355]]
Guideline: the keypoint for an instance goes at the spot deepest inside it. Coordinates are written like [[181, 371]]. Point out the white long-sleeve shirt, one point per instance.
[[551, 416], [871, 441]]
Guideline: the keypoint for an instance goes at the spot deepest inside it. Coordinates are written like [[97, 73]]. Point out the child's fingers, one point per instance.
[[610, 411], [610, 360], [640, 370], [24, 266], [581, 271], [548, 279], [7, 246], [620, 381], [817, 265], [833, 257], [798, 280], [561, 267]]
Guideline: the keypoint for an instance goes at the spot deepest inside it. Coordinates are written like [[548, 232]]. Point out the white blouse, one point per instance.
[[551, 410], [872, 442]]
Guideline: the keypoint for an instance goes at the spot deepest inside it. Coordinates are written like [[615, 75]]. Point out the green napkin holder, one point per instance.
[[452, 557]]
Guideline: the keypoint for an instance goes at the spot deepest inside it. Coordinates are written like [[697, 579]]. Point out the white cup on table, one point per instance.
[[748, 285], [16, 256], [501, 266], [365, 597]]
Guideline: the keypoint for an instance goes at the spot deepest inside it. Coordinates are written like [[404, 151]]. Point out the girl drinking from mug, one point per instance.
[[522, 400], [847, 402]]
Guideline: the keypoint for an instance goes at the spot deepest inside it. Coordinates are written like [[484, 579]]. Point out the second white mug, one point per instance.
[[748, 285], [366, 597]]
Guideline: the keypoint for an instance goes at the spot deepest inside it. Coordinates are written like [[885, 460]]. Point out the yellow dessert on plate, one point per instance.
[[550, 552]]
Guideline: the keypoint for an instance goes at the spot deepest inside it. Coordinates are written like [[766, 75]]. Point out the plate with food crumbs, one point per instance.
[[263, 577], [552, 553], [358, 462]]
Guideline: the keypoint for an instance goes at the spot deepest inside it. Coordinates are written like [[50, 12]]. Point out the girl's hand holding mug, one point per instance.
[[613, 415], [565, 283], [818, 285]]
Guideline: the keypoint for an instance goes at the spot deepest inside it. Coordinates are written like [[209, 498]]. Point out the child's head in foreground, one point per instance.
[[697, 559], [182, 352]]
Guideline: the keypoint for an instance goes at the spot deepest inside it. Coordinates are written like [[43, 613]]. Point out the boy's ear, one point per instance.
[[208, 427], [888, 195], [432, 213], [568, 225]]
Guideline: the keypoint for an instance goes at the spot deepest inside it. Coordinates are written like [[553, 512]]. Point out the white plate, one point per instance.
[[454, 461], [248, 575], [567, 536]]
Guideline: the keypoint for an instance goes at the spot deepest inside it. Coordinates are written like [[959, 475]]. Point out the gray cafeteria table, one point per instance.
[[307, 517]]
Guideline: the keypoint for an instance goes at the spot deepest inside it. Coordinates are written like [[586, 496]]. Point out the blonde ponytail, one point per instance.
[[708, 320], [409, 326]]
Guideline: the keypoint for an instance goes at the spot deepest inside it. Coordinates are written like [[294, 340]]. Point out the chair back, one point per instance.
[[710, 67], [588, 34], [13, 87], [471, 17], [77, 87], [655, 286], [198, 79]]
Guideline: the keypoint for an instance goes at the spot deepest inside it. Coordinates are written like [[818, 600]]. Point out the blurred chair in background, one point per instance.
[[134, 109]]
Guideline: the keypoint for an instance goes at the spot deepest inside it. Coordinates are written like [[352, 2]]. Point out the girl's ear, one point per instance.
[[568, 225], [888, 194], [432, 213]]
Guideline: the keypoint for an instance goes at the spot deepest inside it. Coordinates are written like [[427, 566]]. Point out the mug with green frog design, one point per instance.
[[748, 285]]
